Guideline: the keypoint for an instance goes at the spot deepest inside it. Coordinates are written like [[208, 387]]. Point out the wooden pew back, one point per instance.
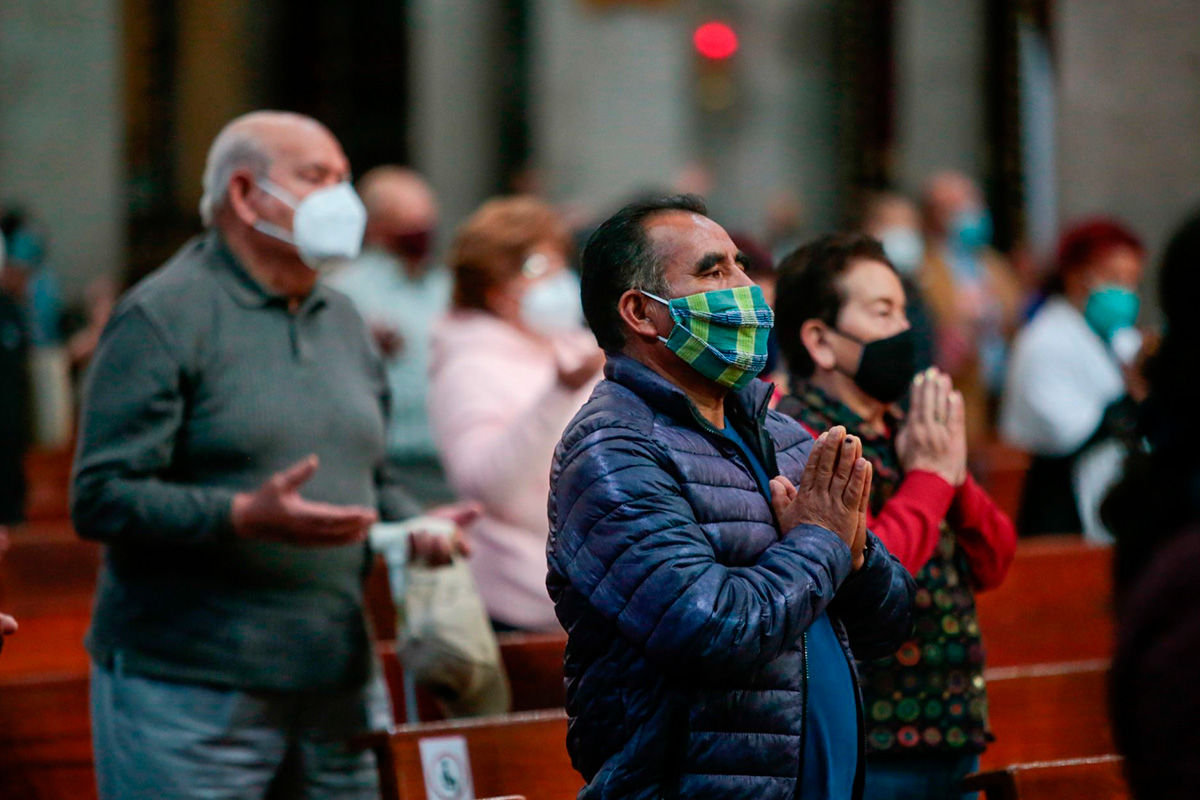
[[534, 663], [1001, 470], [1055, 606], [1052, 711], [1096, 778], [45, 738], [48, 476], [518, 753]]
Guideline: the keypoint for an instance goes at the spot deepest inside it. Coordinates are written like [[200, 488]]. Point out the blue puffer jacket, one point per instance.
[[685, 605]]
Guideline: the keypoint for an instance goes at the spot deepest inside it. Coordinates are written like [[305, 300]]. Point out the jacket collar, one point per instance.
[[750, 403]]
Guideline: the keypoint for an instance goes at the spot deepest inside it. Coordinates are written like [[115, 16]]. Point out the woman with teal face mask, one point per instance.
[[1072, 391]]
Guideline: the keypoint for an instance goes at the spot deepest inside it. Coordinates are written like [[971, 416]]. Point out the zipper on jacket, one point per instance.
[[803, 715]]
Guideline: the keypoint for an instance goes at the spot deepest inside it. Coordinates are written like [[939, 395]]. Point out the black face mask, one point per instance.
[[887, 366], [413, 247]]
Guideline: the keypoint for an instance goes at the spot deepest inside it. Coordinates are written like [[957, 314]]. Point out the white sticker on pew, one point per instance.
[[446, 768]]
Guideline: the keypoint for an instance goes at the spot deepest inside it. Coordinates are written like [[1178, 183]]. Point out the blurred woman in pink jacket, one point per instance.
[[512, 363]]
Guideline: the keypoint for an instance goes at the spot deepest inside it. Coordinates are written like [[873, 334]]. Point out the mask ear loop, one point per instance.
[[270, 228], [666, 303], [837, 367]]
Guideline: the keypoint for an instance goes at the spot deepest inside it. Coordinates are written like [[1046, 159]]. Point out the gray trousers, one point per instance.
[[159, 739]]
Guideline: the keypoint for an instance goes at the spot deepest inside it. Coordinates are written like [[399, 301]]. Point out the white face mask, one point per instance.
[[904, 248], [327, 226], [552, 305]]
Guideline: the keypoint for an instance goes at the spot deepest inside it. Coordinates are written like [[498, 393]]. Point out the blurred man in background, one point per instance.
[[973, 293], [1074, 383], [402, 292], [228, 636]]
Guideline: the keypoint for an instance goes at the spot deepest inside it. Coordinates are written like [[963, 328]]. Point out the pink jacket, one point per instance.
[[497, 411]]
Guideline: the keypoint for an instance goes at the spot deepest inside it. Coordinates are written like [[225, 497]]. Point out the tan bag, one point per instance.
[[447, 643]]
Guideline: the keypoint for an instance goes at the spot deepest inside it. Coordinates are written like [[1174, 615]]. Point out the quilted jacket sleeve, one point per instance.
[[875, 604], [628, 542]]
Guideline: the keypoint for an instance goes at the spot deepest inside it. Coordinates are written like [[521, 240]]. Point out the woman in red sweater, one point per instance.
[[840, 315]]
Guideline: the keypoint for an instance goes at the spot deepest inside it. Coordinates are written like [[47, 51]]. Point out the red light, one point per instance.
[[715, 40]]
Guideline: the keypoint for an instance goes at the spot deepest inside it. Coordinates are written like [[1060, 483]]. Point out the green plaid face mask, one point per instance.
[[721, 334]]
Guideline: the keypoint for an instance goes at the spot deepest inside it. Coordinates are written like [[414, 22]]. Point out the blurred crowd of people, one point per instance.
[[1048, 361], [325, 356]]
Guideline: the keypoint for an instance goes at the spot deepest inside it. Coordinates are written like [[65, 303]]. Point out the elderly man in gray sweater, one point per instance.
[[232, 459]]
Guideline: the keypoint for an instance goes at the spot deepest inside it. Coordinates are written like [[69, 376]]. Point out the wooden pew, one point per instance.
[[534, 663], [393, 672], [523, 753], [1001, 470], [47, 579], [45, 644], [48, 476], [45, 738], [48, 569], [1098, 778], [1047, 712], [381, 611], [1055, 606]]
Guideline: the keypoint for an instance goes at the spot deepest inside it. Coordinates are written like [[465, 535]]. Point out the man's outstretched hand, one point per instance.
[[276, 512], [834, 492]]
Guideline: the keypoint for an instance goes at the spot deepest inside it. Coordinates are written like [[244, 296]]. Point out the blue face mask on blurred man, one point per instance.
[[971, 230]]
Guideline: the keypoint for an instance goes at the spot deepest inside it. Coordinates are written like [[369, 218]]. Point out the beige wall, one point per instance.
[[60, 129], [1129, 111], [940, 105], [453, 124]]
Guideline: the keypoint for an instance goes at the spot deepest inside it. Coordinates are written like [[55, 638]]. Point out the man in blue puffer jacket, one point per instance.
[[711, 586]]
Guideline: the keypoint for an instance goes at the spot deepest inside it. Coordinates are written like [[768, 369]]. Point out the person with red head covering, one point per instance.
[[1072, 389]]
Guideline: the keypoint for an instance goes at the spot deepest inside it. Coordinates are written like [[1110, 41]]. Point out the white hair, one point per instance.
[[237, 146]]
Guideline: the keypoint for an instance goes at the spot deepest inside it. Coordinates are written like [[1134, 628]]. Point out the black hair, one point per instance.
[[618, 257], [809, 288]]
